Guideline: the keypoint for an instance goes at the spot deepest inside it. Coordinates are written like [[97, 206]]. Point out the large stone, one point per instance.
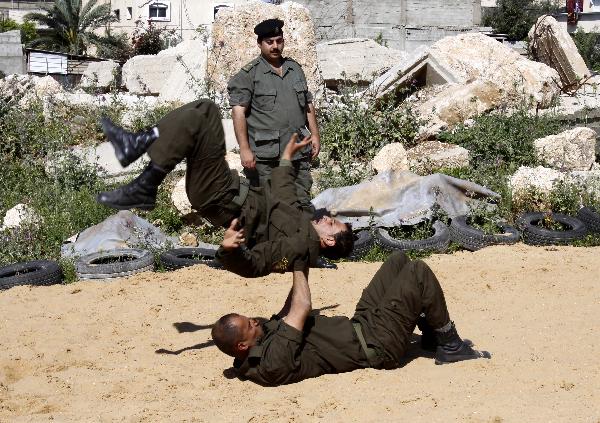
[[22, 89], [390, 157], [180, 199], [540, 179], [234, 42], [356, 60], [147, 74], [187, 79], [19, 215], [553, 45], [570, 150], [434, 155], [472, 56], [101, 75]]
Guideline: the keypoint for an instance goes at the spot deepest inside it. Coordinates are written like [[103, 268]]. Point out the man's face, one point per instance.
[[271, 48], [327, 226], [250, 330]]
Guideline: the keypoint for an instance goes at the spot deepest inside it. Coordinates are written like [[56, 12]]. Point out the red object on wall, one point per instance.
[[574, 8]]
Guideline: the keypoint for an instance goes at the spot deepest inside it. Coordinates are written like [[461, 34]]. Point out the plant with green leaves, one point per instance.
[[515, 17], [27, 28], [72, 25]]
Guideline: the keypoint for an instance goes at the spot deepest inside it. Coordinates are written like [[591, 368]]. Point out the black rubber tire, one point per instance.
[[38, 273], [178, 258], [87, 267], [590, 218], [363, 242], [439, 241], [474, 239], [534, 235]]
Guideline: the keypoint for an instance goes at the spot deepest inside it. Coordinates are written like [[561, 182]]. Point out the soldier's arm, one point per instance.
[[283, 187], [301, 303], [240, 89], [313, 127]]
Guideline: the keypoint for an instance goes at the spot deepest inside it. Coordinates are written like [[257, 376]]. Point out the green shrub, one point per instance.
[[588, 45], [516, 17]]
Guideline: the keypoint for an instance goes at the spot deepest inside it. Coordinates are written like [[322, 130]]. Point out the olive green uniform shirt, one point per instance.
[[280, 239], [286, 355], [277, 105]]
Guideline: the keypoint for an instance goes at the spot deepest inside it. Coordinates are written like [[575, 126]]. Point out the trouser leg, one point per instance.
[[408, 291], [194, 132]]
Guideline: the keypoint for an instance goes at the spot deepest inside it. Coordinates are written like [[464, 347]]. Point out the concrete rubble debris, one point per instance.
[[145, 74], [187, 79], [188, 239], [574, 149], [433, 155], [540, 179], [102, 75], [233, 32], [19, 215], [11, 53], [355, 60], [390, 157], [22, 89], [553, 45]]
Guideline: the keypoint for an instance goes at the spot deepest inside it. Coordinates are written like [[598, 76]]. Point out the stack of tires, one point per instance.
[[473, 239], [534, 234]]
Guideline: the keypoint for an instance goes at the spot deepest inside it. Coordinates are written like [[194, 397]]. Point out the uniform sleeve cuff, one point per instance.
[[285, 162]]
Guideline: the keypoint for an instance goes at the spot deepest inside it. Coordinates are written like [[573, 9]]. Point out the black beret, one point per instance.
[[269, 28]]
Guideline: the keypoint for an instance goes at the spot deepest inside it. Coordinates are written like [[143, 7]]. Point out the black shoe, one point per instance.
[[451, 348], [129, 146], [138, 194], [428, 339], [322, 263]]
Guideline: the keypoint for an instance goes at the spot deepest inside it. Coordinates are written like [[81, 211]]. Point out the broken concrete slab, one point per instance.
[[147, 74], [539, 179], [101, 75], [103, 158], [551, 44], [20, 215], [186, 81], [355, 60], [232, 31], [391, 157], [574, 149], [431, 156]]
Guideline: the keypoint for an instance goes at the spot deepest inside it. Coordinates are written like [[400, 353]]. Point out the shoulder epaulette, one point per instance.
[[248, 66]]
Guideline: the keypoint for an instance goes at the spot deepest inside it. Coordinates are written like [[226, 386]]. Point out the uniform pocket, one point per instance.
[[301, 92], [266, 144], [264, 99]]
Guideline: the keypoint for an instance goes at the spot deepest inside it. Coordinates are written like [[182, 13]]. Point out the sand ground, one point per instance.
[[88, 351]]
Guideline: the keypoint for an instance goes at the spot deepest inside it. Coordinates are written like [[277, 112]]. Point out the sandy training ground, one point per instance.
[[120, 351]]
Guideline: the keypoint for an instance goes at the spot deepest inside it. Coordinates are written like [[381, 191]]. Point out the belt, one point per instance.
[[239, 199], [369, 352]]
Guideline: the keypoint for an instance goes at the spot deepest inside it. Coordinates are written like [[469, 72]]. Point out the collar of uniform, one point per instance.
[[255, 353], [314, 245], [285, 66]]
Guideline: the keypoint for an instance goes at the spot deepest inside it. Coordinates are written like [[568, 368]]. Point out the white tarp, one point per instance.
[[401, 198]]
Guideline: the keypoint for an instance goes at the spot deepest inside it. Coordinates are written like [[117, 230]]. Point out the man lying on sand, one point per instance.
[[294, 345], [275, 234]]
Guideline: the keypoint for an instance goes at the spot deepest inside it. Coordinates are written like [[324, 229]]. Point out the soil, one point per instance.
[[137, 349]]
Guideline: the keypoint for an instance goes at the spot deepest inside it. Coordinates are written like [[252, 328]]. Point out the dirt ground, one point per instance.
[[90, 351]]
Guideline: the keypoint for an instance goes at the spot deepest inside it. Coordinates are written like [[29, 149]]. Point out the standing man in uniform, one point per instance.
[[270, 101], [295, 345]]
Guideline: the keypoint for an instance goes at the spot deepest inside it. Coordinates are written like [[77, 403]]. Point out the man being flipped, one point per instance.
[[295, 345], [267, 230]]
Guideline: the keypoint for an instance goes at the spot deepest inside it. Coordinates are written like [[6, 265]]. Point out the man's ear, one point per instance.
[[329, 241], [241, 346]]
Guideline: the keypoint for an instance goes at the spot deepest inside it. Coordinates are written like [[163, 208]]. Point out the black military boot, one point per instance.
[[451, 348], [428, 340], [129, 146], [139, 193]]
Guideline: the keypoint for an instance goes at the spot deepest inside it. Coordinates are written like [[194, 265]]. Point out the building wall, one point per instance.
[[11, 53], [588, 22], [403, 24]]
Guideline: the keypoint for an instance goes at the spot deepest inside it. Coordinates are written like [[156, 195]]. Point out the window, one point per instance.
[[129, 12], [117, 14], [159, 11]]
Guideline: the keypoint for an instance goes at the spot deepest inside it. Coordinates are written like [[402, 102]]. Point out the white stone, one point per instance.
[[574, 149], [19, 215], [180, 199], [147, 74], [230, 139], [186, 81], [552, 44], [391, 157], [101, 74], [433, 155], [234, 161], [23, 89], [540, 179], [357, 60], [188, 239], [103, 158], [234, 41]]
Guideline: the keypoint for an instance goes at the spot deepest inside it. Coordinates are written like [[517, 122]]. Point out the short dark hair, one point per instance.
[[226, 334], [344, 244]]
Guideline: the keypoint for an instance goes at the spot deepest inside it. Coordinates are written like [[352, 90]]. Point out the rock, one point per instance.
[[357, 60], [22, 89], [180, 199], [570, 150], [230, 139], [146, 74], [234, 161], [234, 42], [19, 215], [433, 155], [540, 179], [472, 56], [552, 44], [390, 157], [101, 75], [187, 79], [188, 239], [103, 158]]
